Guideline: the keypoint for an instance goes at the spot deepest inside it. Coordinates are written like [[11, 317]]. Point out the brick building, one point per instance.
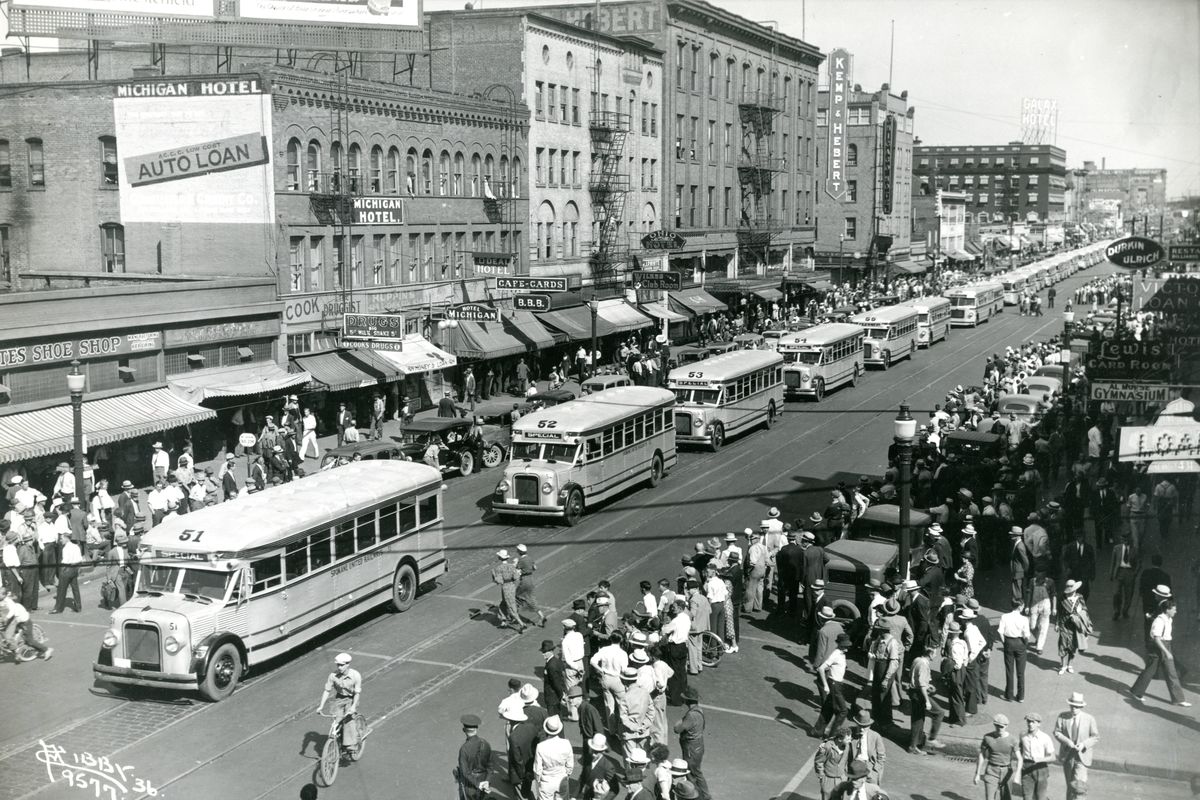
[[1004, 183], [594, 101], [877, 202], [1129, 191], [739, 112]]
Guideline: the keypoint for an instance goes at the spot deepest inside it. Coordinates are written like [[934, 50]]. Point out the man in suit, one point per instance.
[[1076, 497], [1078, 561], [1018, 564], [604, 770], [789, 561], [554, 679], [1106, 511], [867, 745], [1077, 733], [127, 508], [814, 566], [1123, 574], [933, 577], [858, 783], [344, 420]]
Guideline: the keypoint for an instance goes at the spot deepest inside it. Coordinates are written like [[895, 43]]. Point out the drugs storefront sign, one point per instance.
[[1129, 391], [373, 327], [219, 155], [1159, 443]]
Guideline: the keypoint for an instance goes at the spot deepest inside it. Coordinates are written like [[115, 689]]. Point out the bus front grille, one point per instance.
[[142, 646], [683, 423], [525, 488]]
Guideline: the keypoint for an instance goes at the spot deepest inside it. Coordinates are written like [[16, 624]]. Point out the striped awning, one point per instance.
[[656, 309], [347, 369], [622, 316], [239, 381], [112, 419]]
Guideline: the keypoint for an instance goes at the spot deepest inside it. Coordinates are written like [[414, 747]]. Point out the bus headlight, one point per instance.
[[547, 488], [697, 423], [110, 639], [501, 487], [172, 645], [806, 375]]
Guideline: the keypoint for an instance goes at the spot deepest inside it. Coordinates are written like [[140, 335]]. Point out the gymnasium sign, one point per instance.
[[1134, 252]]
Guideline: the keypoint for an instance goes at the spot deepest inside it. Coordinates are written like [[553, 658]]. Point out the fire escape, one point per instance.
[[757, 167], [608, 185], [331, 192]]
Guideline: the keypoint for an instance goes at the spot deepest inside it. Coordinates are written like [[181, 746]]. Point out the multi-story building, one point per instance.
[[872, 216], [739, 113], [939, 222], [1130, 191], [1005, 183], [594, 103]]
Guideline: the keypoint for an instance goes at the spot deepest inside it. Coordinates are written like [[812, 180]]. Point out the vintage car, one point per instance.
[[771, 339], [972, 447], [598, 383], [550, 397], [452, 432], [1057, 371], [364, 451], [750, 341], [1039, 386], [1024, 406], [688, 354], [717, 348]]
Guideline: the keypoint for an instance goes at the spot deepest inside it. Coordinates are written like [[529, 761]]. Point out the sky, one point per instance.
[[1124, 73]]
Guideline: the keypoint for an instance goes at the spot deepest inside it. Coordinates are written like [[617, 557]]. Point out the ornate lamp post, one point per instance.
[[76, 383]]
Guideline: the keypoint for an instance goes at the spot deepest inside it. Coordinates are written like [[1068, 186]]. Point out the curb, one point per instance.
[[956, 747]]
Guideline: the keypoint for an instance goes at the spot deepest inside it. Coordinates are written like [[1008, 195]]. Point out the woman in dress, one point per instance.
[[1074, 625]]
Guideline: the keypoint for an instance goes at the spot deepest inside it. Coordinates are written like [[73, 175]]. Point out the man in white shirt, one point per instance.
[[14, 618], [27, 496], [64, 484], [1034, 756], [156, 499], [717, 594], [160, 462], [173, 492], [676, 632], [608, 662], [70, 557], [1016, 636], [1159, 660], [572, 656], [832, 674]]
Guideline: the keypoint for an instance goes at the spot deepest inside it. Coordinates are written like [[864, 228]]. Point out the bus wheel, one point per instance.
[[466, 463], [819, 390], [573, 511], [887, 358], [656, 470], [770, 414], [854, 376], [493, 456], [718, 437], [224, 670], [404, 588]]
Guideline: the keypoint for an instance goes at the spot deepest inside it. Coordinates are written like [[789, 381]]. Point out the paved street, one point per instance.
[[424, 669]]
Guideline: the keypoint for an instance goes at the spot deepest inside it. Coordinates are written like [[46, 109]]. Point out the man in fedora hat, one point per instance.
[[788, 563], [1078, 561], [1106, 511], [826, 637], [634, 712], [867, 745], [603, 770], [553, 759], [755, 571], [474, 762], [1020, 565], [160, 462], [883, 667], [932, 575], [814, 567], [858, 783], [521, 734], [1077, 733], [691, 739]]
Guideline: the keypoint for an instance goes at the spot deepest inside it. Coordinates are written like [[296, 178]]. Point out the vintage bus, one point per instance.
[[567, 458], [975, 304], [933, 319], [821, 358], [891, 334], [1014, 286], [726, 395], [227, 587]]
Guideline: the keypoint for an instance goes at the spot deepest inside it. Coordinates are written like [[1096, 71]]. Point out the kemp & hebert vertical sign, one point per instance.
[[835, 136]]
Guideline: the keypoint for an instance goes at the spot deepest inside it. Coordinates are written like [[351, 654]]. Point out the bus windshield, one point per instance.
[[807, 357], [701, 397], [538, 451], [959, 300], [877, 333], [200, 584]]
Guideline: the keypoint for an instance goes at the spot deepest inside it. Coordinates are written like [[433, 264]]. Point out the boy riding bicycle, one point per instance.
[[15, 619], [345, 684]]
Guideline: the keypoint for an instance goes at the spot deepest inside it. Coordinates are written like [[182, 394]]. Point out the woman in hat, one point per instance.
[[1074, 625], [964, 576], [102, 505]]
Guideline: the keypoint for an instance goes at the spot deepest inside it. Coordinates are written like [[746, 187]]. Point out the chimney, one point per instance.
[[1103, 161], [146, 72]]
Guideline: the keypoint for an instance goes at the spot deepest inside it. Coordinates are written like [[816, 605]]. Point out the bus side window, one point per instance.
[[668, 421], [366, 529], [343, 539], [388, 528], [608, 442], [618, 437], [320, 551], [267, 573], [295, 559], [639, 429], [593, 448], [406, 518], [428, 508]]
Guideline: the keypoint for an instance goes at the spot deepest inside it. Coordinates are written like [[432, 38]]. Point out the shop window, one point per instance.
[[852, 155]]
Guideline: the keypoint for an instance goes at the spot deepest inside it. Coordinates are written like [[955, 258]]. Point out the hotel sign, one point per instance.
[[492, 263], [839, 101], [377, 211], [473, 312]]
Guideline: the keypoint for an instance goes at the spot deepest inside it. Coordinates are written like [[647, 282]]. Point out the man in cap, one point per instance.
[[858, 783], [344, 684], [1077, 733], [160, 462], [474, 762], [553, 760], [506, 576], [994, 766], [867, 745], [691, 739], [883, 666], [922, 702], [756, 571]]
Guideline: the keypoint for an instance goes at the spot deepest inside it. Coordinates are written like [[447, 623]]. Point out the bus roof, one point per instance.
[[596, 410], [926, 303], [972, 289], [267, 518], [717, 369], [883, 316], [820, 335]]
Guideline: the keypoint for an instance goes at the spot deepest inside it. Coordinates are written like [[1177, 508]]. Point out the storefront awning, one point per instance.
[[973, 247], [112, 419], [575, 322], [910, 267], [519, 332], [239, 381], [767, 294], [696, 302], [657, 310], [418, 356], [622, 316], [347, 369], [960, 255]]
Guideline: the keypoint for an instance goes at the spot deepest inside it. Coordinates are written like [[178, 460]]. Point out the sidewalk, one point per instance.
[[1153, 738]]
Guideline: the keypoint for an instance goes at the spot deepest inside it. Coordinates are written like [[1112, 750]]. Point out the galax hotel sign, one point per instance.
[[839, 101]]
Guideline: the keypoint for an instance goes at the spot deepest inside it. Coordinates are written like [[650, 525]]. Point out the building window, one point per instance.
[[982, 198], [852, 155], [851, 191], [822, 117], [112, 247], [574, 106], [678, 206], [293, 165], [726, 205], [859, 115], [355, 169], [550, 167], [727, 143], [444, 174], [654, 119], [459, 167], [393, 170], [37, 162], [695, 135], [5, 271], [108, 161], [924, 162], [5, 165], [376, 175], [712, 140], [1032, 198], [539, 100], [695, 85], [850, 228], [477, 175], [575, 167], [312, 166], [427, 172], [712, 75], [562, 168], [339, 261], [692, 206], [1033, 161], [708, 216], [296, 263], [679, 136], [680, 49]]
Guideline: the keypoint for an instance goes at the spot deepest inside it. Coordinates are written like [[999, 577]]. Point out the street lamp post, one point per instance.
[[592, 360], [1068, 318], [904, 430], [76, 382]]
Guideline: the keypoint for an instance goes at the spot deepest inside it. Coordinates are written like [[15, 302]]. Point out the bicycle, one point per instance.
[[711, 649], [333, 752], [21, 652]]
